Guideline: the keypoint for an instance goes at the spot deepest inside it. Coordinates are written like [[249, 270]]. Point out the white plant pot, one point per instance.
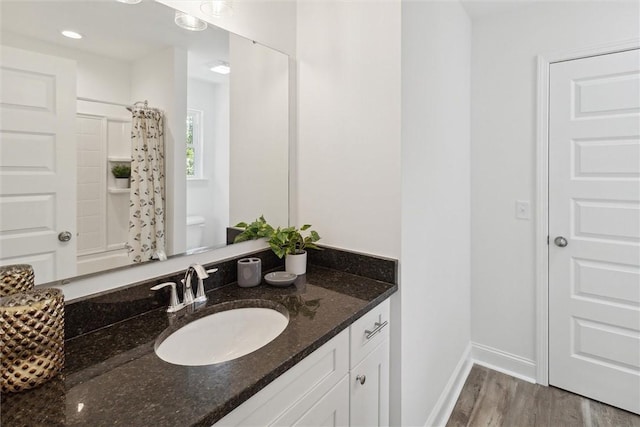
[[122, 182], [296, 264]]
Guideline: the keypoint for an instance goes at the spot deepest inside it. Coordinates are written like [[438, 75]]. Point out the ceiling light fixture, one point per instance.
[[129, 1], [71, 34], [217, 8], [221, 68], [189, 22]]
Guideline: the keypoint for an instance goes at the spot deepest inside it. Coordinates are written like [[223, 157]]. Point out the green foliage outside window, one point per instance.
[[190, 148]]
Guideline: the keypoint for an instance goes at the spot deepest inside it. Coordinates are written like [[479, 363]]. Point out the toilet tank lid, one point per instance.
[[195, 220]]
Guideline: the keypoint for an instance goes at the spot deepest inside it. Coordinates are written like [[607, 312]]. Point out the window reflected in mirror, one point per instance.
[[194, 142]]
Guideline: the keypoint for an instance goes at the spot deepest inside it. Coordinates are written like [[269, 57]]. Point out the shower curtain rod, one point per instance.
[[80, 98], [145, 105]]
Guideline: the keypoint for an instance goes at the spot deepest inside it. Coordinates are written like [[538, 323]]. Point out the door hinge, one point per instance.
[[547, 240]]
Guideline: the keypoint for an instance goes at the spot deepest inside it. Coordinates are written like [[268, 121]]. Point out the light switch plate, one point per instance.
[[523, 209]]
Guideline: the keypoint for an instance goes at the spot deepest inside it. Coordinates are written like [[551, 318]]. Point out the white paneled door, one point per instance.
[[594, 228], [37, 162]]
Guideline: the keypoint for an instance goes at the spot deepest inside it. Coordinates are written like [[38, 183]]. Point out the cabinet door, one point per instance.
[[369, 389], [331, 410]]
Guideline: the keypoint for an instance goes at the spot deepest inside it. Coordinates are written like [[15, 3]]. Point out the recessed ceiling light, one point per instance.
[[217, 8], [189, 22], [71, 34], [221, 68], [129, 1]]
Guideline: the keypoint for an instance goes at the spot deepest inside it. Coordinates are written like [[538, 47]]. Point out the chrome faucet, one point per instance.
[[202, 274], [187, 293], [188, 299]]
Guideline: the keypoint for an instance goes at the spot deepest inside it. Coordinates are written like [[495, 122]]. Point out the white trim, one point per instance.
[[504, 362], [100, 101], [108, 118], [542, 224], [542, 192], [447, 400]]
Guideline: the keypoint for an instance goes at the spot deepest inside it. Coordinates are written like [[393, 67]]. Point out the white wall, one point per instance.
[[435, 289], [209, 197], [504, 53], [161, 78], [259, 154], [98, 77], [348, 153], [220, 164], [269, 22]]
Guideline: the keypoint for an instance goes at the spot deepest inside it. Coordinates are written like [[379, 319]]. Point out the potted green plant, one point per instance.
[[255, 230], [288, 242], [122, 173]]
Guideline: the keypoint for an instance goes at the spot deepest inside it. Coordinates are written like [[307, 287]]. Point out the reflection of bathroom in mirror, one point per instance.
[[225, 135]]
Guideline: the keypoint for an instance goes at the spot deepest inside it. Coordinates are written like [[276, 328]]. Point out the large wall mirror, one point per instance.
[[65, 125]]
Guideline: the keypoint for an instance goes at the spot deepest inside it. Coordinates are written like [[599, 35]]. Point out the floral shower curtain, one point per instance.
[[146, 206]]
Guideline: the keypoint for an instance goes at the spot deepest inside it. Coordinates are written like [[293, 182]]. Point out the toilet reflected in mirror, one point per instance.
[[195, 232]]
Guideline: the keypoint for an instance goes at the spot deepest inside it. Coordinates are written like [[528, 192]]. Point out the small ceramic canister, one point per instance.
[[249, 272]]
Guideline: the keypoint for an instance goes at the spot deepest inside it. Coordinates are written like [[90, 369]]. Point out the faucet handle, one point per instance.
[[174, 303], [200, 295]]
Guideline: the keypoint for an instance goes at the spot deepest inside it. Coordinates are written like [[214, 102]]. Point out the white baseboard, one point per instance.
[[504, 362], [447, 400]]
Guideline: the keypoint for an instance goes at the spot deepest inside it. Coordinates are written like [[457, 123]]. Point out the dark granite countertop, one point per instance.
[[113, 377]]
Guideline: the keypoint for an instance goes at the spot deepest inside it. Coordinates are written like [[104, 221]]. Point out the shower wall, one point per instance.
[[103, 140], [91, 180]]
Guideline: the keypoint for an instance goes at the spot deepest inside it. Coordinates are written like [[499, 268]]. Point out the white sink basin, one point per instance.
[[222, 336]]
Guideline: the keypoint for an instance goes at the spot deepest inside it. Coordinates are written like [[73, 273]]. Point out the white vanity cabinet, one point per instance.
[[369, 369], [322, 389]]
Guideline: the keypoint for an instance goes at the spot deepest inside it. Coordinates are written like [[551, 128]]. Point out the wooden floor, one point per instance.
[[490, 398]]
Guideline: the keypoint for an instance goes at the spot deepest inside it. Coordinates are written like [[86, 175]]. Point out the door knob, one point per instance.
[[65, 236], [361, 379], [560, 241]]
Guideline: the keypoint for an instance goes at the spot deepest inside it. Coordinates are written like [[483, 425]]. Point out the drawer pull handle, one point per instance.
[[378, 328], [361, 379]]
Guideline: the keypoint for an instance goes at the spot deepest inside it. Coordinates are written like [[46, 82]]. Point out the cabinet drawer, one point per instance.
[[331, 410], [368, 332], [298, 388]]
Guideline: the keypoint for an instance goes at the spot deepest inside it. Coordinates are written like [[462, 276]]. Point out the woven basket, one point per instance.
[[16, 278], [31, 338]]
